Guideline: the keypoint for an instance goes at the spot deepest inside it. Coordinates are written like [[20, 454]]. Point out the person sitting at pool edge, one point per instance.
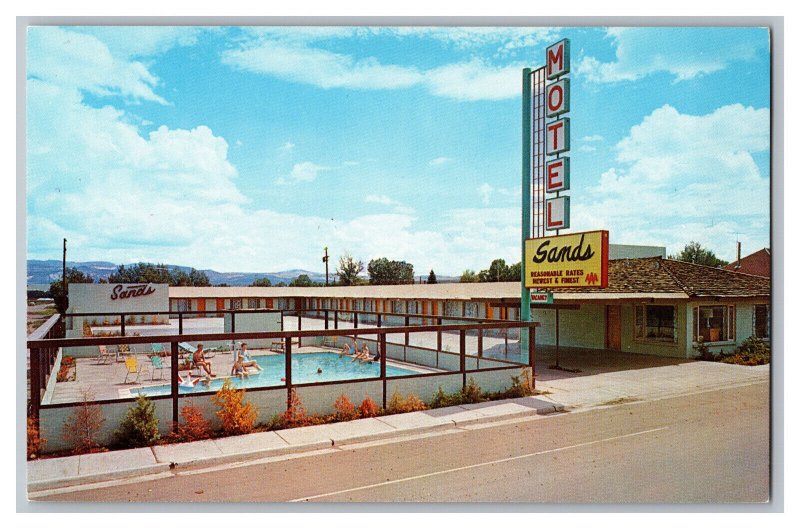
[[199, 358], [244, 354], [238, 368], [364, 356], [345, 350]]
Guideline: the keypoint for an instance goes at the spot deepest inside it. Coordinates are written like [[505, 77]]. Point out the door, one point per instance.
[[613, 327], [201, 306], [220, 306]]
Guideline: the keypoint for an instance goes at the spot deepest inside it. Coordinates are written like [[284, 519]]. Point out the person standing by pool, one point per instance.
[[200, 361]]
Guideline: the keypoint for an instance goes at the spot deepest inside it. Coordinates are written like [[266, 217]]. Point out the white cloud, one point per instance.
[[397, 207], [474, 81], [593, 137], [684, 53], [490, 194], [379, 199], [287, 147], [74, 60], [306, 171], [319, 67], [696, 172], [139, 41], [295, 61], [587, 148], [441, 160]]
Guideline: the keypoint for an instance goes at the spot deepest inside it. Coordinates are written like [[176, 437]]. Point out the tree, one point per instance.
[[469, 276], [385, 272], [432, 278], [261, 282], [348, 270], [695, 253], [302, 281], [150, 273], [57, 287], [514, 272], [498, 271]]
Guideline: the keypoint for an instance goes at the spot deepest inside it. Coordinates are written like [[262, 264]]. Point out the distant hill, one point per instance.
[[45, 272]]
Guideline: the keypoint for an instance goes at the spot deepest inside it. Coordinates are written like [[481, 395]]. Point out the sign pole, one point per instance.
[[525, 293]]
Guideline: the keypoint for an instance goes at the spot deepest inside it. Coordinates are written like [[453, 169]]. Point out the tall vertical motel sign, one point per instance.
[[558, 261]]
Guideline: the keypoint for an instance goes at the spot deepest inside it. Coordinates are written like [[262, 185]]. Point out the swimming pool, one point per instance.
[[304, 370]]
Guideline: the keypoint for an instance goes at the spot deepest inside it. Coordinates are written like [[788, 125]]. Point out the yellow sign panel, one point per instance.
[[576, 260]]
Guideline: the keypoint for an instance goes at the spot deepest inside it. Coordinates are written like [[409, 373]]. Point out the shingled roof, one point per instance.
[[658, 275]]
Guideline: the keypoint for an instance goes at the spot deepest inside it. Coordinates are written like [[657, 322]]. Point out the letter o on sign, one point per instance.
[[557, 98]]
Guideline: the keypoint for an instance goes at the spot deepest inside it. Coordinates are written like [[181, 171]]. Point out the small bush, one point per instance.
[[140, 425], [194, 427], [368, 408], [443, 400], [400, 404], [87, 329], [753, 352], [83, 425], [237, 417], [296, 415], [129, 320], [345, 410], [94, 323], [35, 441], [702, 350], [154, 320], [472, 392]]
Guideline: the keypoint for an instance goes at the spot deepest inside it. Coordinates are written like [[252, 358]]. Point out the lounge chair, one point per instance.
[[132, 366], [187, 347], [157, 349], [157, 364], [104, 356]]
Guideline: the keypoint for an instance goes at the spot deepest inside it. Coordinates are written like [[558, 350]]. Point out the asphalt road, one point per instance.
[[710, 447]]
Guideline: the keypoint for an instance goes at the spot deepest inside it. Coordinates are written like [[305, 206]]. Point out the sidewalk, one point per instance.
[[578, 393], [73, 470]]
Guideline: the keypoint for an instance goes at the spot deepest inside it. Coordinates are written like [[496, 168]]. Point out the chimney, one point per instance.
[[738, 255]]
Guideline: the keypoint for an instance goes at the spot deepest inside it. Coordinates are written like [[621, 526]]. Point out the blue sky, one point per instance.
[[251, 149]]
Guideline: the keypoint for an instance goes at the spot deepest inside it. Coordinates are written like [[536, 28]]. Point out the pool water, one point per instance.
[[304, 370]]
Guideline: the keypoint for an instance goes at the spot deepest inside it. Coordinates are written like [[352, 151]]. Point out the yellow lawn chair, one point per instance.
[[132, 366]]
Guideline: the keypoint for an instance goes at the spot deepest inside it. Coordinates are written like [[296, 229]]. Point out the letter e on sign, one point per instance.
[[557, 175], [558, 98], [558, 136], [558, 59], [557, 217]]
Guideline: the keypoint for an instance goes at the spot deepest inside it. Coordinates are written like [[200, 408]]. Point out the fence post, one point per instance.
[[480, 347], [122, 324], [326, 320], [406, 322], [382, 350], [379, 319], [532, 352], [438, 341], [288, 355], [355, 320], [335, 319], [462, 347], [35, 380], [173, 372], [180, 323], [233, 322]]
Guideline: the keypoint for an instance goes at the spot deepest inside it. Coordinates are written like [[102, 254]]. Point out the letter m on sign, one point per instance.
[[558, 59]]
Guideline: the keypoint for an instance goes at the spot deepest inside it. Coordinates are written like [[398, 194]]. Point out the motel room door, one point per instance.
[[613, 327]]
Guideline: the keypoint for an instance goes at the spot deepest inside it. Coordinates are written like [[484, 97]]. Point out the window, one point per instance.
[[471, 310], [714, 323], [183, 305], [656, 323], [398, 307], [236, 304], [253, 303], [452, 309], [761, 321], [412, 307]]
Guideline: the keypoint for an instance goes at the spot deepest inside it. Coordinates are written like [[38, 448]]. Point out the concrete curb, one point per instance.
[[243, 456]]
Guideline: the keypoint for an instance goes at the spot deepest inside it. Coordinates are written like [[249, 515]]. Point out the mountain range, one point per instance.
[[42, 272]]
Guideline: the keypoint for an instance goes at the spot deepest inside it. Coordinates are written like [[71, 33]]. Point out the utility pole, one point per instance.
[[325, 260], [64, 268]]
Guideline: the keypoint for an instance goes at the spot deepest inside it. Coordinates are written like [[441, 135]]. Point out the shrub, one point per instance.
[[35, 441], [368, 408], [753, 352], [129, 320], [702, 350], [154, 320], [442, 399], [195, 427], [237, 417], [400, 404], [87, 329], [140, 425], [81, 428], [94, 323], [472, 393], [345, 410]]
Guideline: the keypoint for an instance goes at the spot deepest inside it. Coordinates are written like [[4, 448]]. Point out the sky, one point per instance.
[[250, 149]]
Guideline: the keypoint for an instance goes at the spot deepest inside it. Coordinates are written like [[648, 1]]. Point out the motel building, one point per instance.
[[652, 305]]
